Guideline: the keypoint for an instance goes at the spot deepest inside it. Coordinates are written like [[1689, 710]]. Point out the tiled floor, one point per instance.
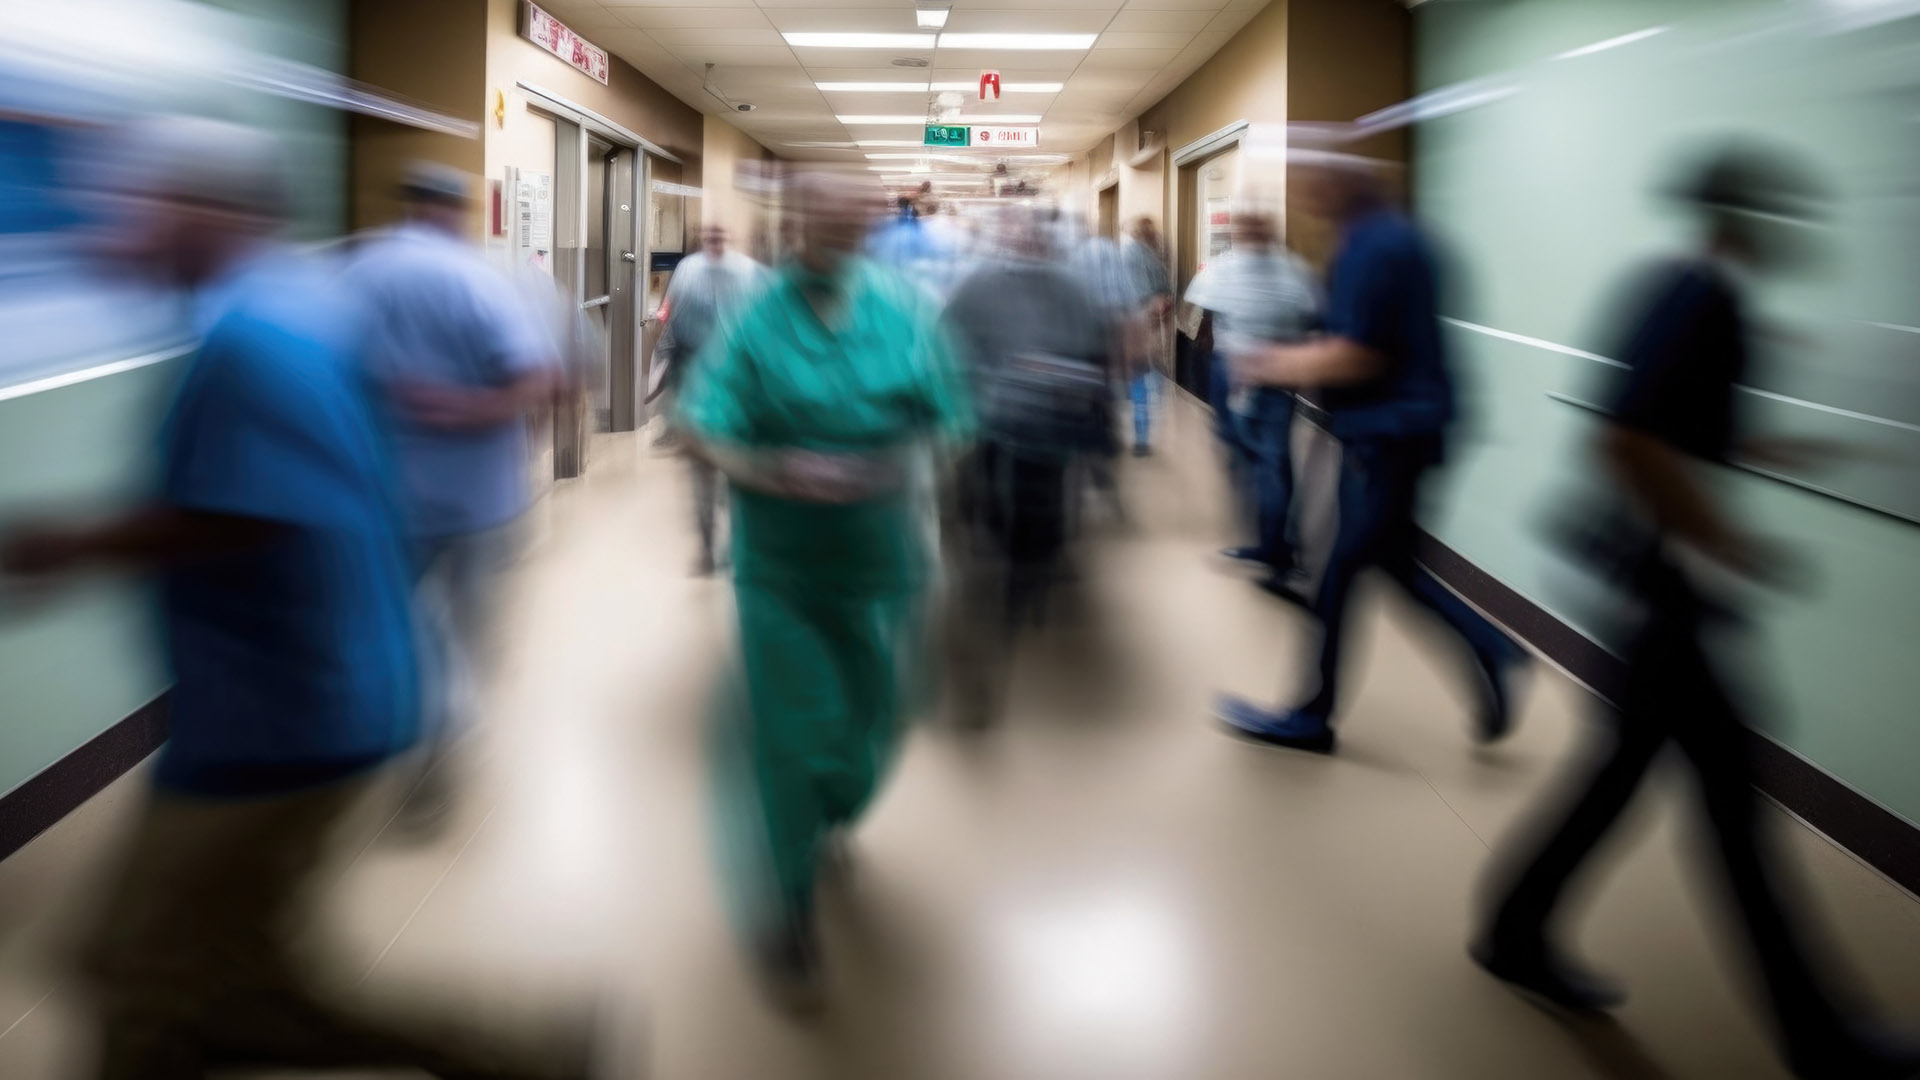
[[1105, 887]]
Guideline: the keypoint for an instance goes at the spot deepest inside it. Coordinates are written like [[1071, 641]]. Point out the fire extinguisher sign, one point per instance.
[[989, 86]]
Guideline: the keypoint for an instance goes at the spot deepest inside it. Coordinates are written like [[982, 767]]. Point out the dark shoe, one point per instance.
[[1495, 719], [1282, 588], [1252, 556], [704, 566], [788, 963], [1539, 973], [1857, 1054], [1292, 729], [1142, 450]]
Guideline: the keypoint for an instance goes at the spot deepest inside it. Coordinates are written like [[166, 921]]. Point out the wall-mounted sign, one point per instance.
[[1025, 138], [989, 86], [554, 36], [533, 218], [946, 135]]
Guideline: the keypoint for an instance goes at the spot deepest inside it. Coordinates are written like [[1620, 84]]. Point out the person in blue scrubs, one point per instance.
[[287, 622], [1382, 370]]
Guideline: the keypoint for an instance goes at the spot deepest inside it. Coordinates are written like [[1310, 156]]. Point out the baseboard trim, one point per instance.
[[60, 788], [1875, 835]]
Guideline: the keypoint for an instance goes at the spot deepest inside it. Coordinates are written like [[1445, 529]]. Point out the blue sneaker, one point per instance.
[[1292, 729]]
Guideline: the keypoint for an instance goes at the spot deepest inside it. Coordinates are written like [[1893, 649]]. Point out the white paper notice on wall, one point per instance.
[[533, 218]]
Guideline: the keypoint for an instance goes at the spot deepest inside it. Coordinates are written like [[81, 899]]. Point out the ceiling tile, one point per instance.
[[697, 56], [869, 63], [1160, 22], [1053, 5], [1230, 22], [585, 16], [1175, 5], [1129, 59], [771, 4], [665, 18], [1009, 73], [706, 36], [894, 20], [620, 6], [1247, 5], [983, 59], [1143, 41], [1005, 21]]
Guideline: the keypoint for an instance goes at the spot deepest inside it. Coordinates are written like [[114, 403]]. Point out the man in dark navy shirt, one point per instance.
[[1390, 399], [1672, 413]]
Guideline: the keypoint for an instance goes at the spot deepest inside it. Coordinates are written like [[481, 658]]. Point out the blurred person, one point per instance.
[[459, 360], [1389, 397], [1146, 259], [1673, 543], [1260, 294], [707, 288], [285, 614], [1103, 272], [812, 403], [1037, 349]]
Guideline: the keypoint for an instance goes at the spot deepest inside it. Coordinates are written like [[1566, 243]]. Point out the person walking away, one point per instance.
[[1667, 541], [459, 359], [1037, 349], [1260, 295], [812, 403], [286, 621], [1146, 258], [707, 288], [1389, 398]]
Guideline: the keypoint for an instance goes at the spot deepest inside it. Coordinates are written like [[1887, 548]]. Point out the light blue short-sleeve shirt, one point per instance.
[[442, 315], [293, 661]]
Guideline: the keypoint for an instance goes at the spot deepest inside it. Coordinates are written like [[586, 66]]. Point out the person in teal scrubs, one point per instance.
[[813, 401]]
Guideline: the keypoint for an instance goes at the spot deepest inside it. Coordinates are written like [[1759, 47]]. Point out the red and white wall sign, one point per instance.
[[554, 36]]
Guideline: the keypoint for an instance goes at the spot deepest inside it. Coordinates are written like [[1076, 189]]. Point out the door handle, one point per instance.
[[629, 256]]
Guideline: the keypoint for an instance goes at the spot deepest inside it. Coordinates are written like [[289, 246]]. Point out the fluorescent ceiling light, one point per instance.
[[1010, 88], [898, 168], [931, 18], [1015, 41], [883, 118], [1010, 119], [896, 157], [1613, 42], [873, 87], [860, 41], [888, 142]]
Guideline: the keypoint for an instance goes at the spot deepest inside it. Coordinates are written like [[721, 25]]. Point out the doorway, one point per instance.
[[1109, 211]]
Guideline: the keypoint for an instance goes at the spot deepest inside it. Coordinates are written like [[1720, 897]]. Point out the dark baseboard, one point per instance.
[[60, 788], [1876, 835]]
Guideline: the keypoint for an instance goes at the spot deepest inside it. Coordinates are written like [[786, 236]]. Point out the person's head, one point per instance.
[[438, 196], [197, 195], [833, 210], [1255, 226], [713, 240], [1758, 204], [1338, 187], [1145, 231]]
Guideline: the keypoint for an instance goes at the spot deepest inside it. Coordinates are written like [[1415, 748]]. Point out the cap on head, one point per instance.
[[433, 182], [1751, 177]]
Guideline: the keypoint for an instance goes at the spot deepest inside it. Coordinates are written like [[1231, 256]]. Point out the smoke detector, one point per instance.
[[911, 61]]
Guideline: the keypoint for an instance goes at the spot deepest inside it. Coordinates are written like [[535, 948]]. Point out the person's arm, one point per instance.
[[1331, 360], [148, 538], [464, 408]]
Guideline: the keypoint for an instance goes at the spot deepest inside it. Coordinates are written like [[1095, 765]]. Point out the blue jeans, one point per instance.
[[1379, 485], [1266, 435], [1141, 391]]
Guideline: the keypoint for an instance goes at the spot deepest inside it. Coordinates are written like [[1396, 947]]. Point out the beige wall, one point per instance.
[[723, 147], [389, 49]]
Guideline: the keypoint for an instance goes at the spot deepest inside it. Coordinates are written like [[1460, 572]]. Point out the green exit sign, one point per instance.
[[946, 135]]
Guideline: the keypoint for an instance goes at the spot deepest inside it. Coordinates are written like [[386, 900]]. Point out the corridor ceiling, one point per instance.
[[1102, 62]]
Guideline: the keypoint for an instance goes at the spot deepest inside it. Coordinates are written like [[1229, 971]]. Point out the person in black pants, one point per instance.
[[1664, 539], [1389, 397]]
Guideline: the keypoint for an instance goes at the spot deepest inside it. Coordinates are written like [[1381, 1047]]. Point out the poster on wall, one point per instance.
[[541, 28], [533, 219]]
